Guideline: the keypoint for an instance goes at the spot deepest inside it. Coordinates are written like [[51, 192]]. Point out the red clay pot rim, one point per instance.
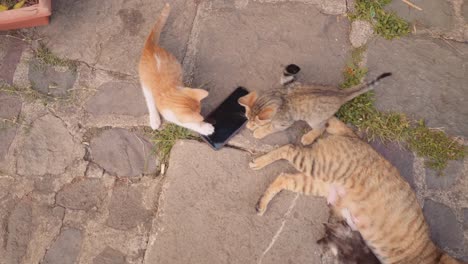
[[25, 13]]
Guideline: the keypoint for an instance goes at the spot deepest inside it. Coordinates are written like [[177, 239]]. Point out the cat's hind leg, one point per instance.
[[155, 119], [299, 183]]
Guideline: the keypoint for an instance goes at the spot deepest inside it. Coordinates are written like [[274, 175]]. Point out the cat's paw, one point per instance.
[[255, 164], [308, 139], [258, 207], [206, 129], [155, 124], [258, 134]]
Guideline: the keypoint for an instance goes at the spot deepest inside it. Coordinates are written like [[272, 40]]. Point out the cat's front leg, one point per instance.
[[280, 153], [265, 130], [309, 137]]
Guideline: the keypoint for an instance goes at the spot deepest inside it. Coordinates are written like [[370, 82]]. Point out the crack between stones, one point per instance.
[[188, 62], [280, 230]]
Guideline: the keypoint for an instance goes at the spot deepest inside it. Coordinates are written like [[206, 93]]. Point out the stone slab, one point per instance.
[[115, 30], [51, 80], [452, 173], [250, 47], [401, 158], [429, 80], [206, 212], [435, 13], [126, 210], [10, 106], [445, 229], [65, 249], [83, 194], [110, 256], [117, 99], [48, 148], [11, 49], [7, 135], [123, 153]]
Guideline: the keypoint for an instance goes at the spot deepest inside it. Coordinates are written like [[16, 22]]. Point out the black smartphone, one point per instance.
[[228, 118]]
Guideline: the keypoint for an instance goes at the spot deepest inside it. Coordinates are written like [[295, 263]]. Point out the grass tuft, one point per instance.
[[45, 56], [386, 24], [165, 139], [434, 145]]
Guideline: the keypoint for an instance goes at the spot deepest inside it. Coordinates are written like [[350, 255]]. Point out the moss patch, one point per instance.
[[165, 139], [434, 145], [386, 24], [45, 56]]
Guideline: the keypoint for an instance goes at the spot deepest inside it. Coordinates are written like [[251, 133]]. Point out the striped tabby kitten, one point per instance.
[[279, 109], [361, 186]]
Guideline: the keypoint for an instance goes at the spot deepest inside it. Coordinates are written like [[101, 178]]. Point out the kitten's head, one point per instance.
[[347, 245], [259, 111]]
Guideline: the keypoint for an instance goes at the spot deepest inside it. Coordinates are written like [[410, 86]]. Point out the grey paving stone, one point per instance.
[[450, 176], [115, 30], [82, 195], [110, 256], [247, 47], [10, 106], [117, 98], [126, 210], [48, 148], [65, 249], [51, 80], [445, 230], [429, 80], [123, 153], [435, 13], [10, 54], [465, 11], [361, 31], [7, 134], [401, 158], [206, 212], [465, 218], [19, 232]]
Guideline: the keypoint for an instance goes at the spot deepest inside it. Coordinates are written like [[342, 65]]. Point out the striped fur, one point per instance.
[[356, 179], [279, 109]]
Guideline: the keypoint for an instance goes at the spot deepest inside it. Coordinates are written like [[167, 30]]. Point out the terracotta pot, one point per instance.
[[31, 16]]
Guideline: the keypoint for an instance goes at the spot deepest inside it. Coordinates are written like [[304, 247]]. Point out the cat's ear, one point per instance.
[[267, 114], [248, 101], [197, 94]]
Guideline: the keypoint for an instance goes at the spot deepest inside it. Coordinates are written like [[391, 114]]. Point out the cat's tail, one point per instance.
[[364, 88], [153, 37]]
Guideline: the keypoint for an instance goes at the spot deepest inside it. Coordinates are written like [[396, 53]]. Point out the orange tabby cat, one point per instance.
[[161, 81], [361, 186]]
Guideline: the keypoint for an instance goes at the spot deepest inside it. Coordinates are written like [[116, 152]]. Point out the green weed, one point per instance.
[[434, 145], [165, 139], [386, 24]]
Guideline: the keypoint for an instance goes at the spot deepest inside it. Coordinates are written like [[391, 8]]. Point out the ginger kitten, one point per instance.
[[278, 109], [161, 81]]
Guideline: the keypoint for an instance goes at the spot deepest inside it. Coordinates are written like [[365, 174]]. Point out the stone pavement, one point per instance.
[[79, 181]]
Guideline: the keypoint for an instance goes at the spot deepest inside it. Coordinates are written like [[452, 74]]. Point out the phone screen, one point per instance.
[[227, 119]]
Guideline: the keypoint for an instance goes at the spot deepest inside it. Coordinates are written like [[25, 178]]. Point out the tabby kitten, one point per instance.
[[364, 188], [347, 245], [161, 81], [279, 109]]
